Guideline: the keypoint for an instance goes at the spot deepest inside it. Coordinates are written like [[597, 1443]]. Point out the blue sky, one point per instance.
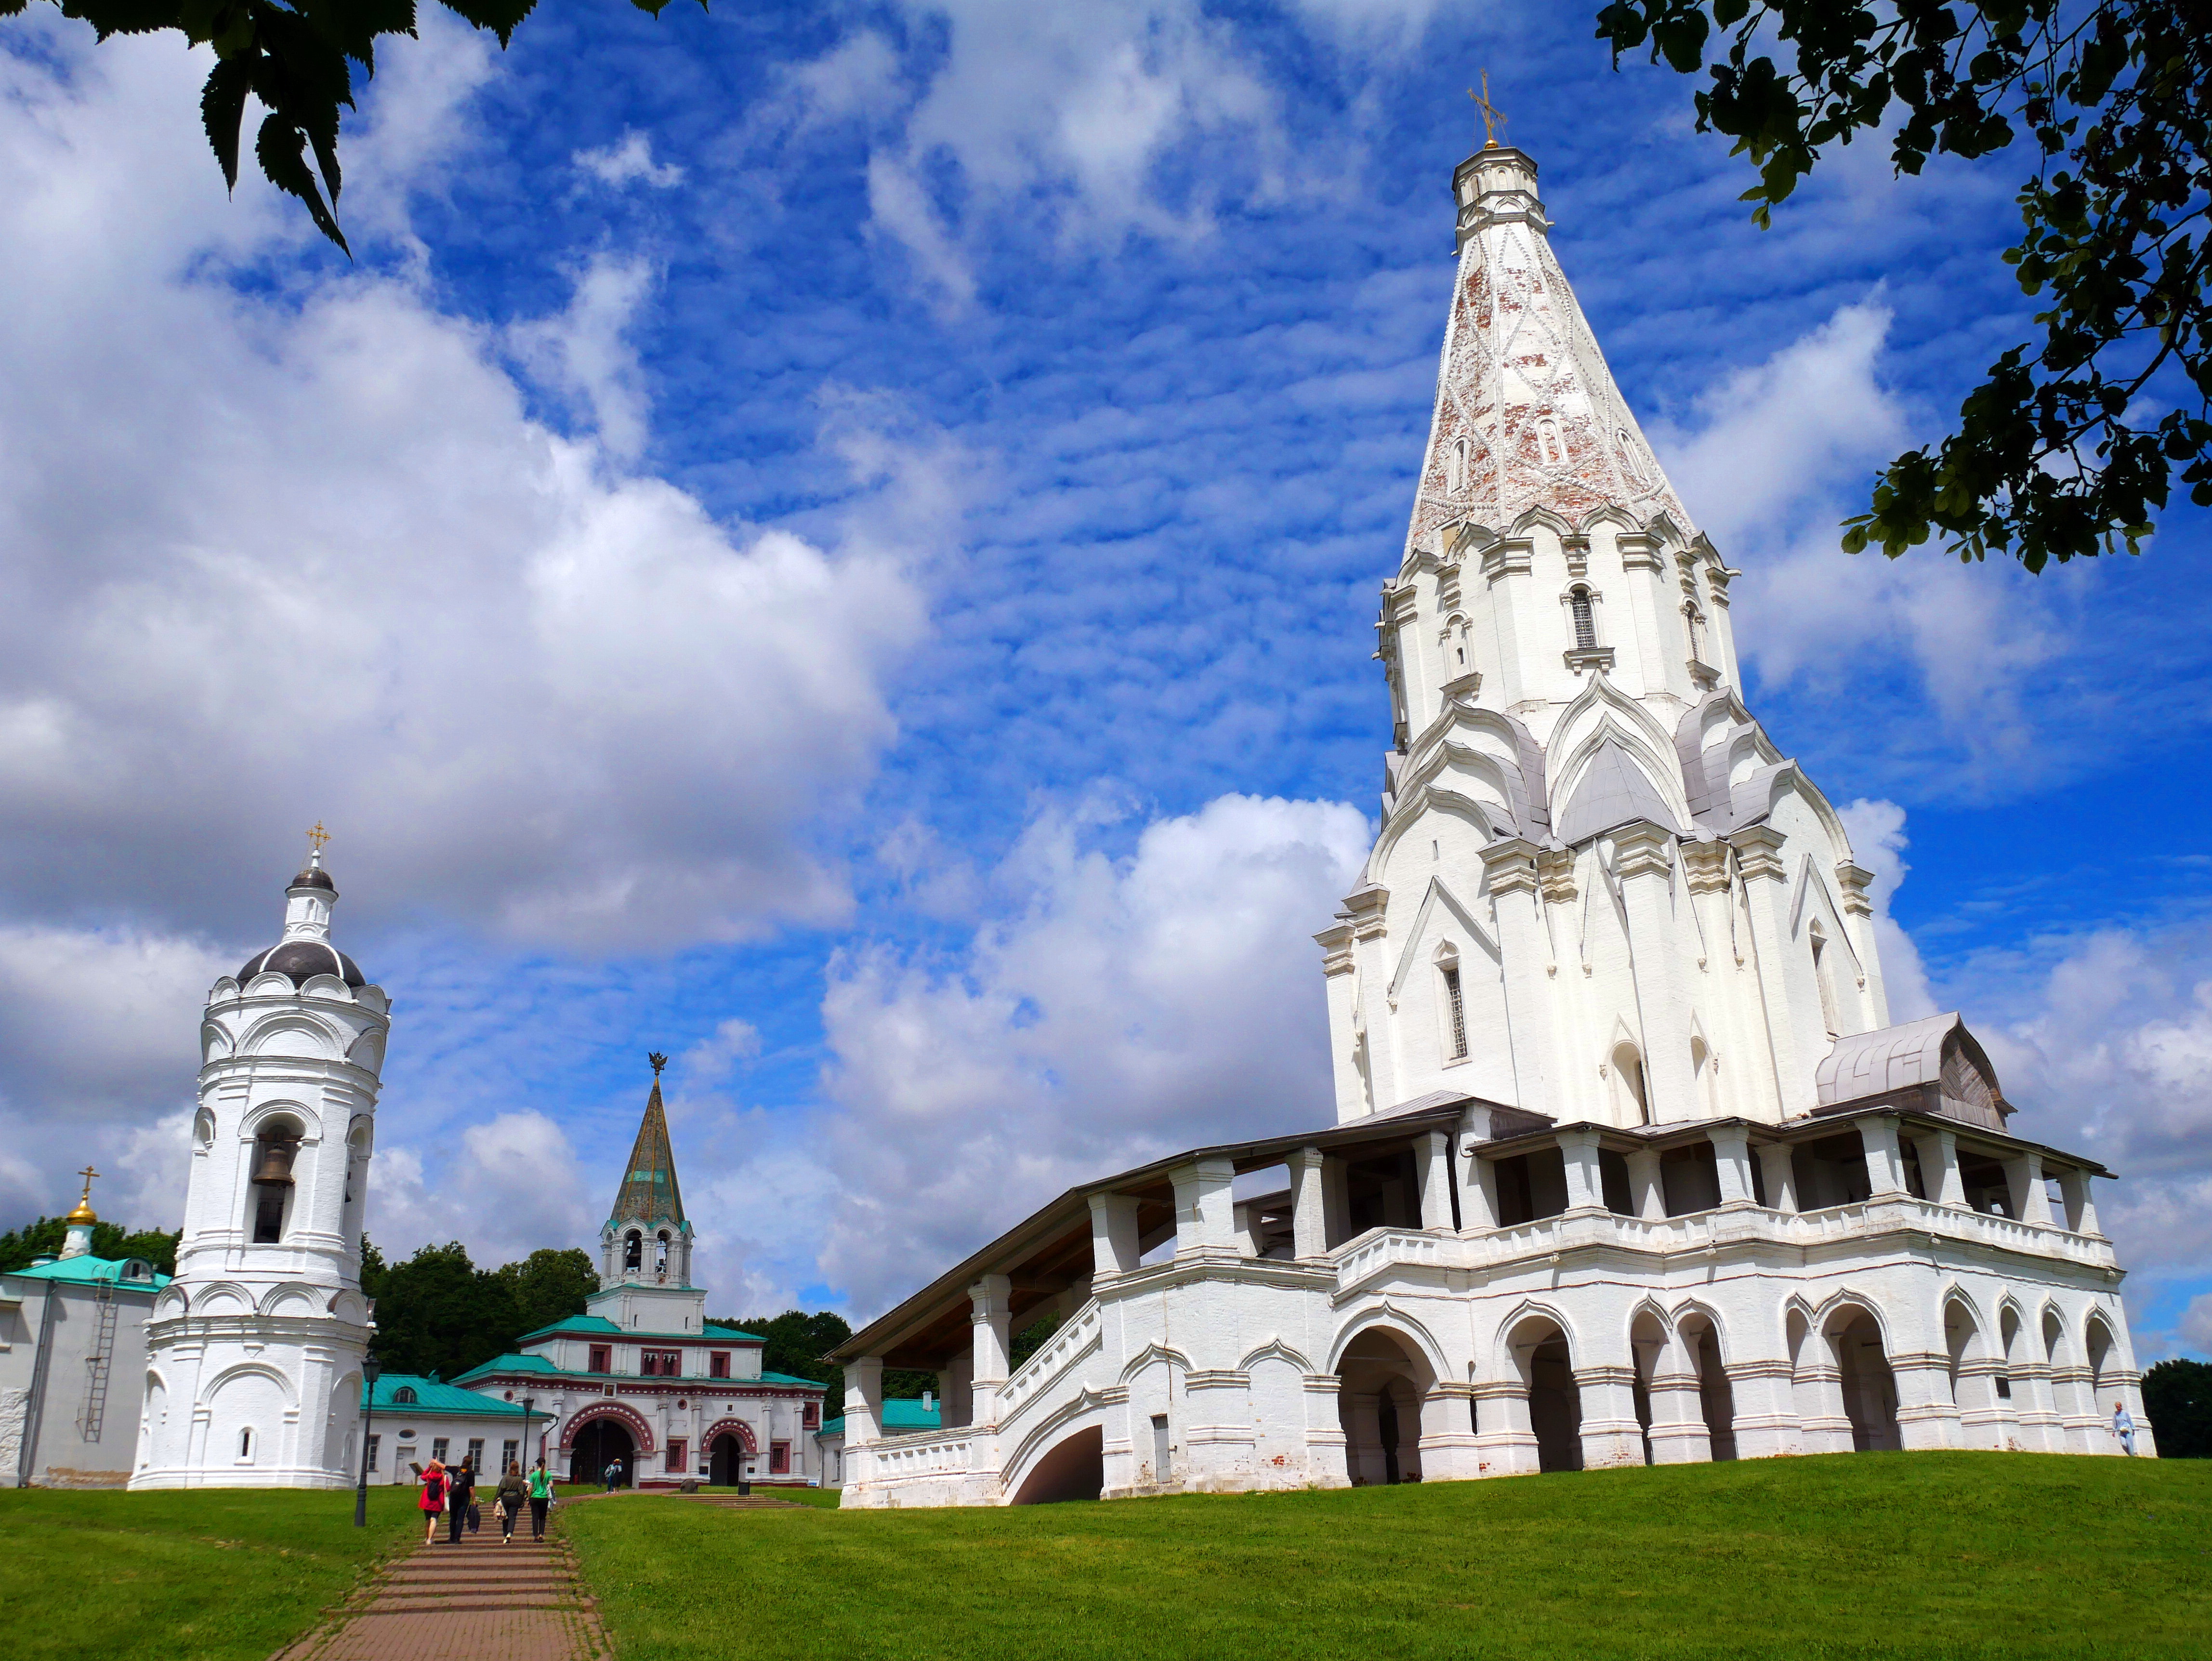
[[842, 542]]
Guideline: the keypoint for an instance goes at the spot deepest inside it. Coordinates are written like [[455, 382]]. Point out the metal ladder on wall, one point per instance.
[[98, 1365]]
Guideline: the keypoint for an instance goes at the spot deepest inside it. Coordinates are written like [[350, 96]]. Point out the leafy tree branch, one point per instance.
[[297, 60], [2064, 450]]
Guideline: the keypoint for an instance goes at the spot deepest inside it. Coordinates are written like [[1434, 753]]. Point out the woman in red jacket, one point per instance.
[[435, 1487]]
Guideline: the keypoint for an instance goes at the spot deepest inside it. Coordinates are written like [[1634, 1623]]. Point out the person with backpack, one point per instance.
[[512, 1493], [459, 1500], [432, 1501], [612, 1475], [541, 1497]]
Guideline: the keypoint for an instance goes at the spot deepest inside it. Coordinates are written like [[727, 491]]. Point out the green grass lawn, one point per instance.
[[1864, 1555], [212, 1574]]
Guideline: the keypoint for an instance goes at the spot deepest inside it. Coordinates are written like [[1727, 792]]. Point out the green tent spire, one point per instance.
[[649, 1192]]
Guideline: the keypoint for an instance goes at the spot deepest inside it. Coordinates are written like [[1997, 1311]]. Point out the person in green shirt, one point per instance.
[[541, 1497]]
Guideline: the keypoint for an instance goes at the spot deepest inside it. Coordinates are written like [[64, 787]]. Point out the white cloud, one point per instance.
[[1878, 839], [505, 1187], [1123, 1009], [628, 160], [297, 550], [1787, 451], [584, 351]]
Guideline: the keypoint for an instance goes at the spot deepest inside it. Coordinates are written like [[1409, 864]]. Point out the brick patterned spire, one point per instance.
[[1528, 415]]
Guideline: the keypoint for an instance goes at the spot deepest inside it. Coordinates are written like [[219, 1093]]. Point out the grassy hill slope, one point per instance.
[[1844, 1556]]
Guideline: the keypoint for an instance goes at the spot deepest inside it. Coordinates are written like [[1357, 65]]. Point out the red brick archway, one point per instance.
[[737, 1427], [629, 1418]]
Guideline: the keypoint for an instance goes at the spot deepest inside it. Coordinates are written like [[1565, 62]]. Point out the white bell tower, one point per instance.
[[253, 1373]]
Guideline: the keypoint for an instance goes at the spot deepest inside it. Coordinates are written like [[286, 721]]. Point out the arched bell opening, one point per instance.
[[276, 1150], [1384, 1380], [1075, 1470]]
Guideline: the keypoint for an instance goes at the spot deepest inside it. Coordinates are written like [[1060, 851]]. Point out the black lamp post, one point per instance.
[[370, 1369]]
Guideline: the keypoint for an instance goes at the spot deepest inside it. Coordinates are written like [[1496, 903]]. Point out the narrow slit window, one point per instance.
[[1458, 1011], [1578, 604]]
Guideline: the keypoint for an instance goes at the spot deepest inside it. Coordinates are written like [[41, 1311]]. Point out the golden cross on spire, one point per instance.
[[88, 1173], [317, 837], [1494, 119]]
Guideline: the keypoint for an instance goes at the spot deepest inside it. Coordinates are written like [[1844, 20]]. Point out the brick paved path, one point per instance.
[[478, 1600]]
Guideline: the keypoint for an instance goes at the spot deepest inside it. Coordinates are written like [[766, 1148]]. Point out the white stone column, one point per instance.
[[1449, 1453], [2080, 1209], [1732, 1162], [1205, 1218], [1509, 875], [1679, 1436], [1478, 1188], [1982, 1415], [1251, 1239], [1647, 1192], [1504, 1440], [1336, 1202], [1611, 1435], [2030, 1201], [1436, 1181], [1644, 857], [1939, 1166], [1765, 1409], [991, 1317], [1585, 1186], [864, 1418], [1885, 1162], [1113, 1234], [1776, 1165], [1824, 1423], [1926, 1415], [1308, 1207]]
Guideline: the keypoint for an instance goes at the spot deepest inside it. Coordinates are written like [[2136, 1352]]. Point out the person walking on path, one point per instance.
[[612, 1475], [459, 1501], [541, 1497], [2124, 1427], [434, 1498], [512, 1493]]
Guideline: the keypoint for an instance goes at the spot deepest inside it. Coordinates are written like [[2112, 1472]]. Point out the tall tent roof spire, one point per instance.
[[1528, 415], [648, 1192]]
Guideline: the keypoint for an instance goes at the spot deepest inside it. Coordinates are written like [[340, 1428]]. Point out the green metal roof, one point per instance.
[[438, 1400], [597, 1325], [900, 1413], [88, 1271], [538, 1368]]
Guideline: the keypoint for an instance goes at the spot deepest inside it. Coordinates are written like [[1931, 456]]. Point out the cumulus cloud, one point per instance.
[[277, 556], [628, 161], [506, 1187], [1877, 833], [1784, 455], [1119, 1009]]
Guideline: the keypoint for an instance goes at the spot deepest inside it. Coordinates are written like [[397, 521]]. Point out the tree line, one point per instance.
[[21, 1247]]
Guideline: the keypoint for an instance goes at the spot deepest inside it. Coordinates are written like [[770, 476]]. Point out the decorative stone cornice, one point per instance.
[[1555, 867], [1507, 558], [1577, 549], [1599, 657], [1639, 552], [1366, 910], [1705, 867], [1853, 880], [1644, 850], [1510, 866], [1336, 950], [1758, 852]]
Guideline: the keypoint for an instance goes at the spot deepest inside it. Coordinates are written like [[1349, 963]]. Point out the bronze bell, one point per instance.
[[277, 1154]]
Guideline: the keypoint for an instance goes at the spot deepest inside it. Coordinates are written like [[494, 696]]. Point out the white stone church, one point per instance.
[[1629, 1163]]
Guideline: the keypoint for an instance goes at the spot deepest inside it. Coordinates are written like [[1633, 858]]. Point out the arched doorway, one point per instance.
[[1869, 1390], [1076, 1469], [726, 1461], [1384, 1380], [598, 1445], [1716, 1395]]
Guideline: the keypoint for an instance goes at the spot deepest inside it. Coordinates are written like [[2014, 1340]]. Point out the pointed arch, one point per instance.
[[1275, 1350], [1543, 516], [1527, 1310], [1397, 1319], [1148, 1355], [1438, 895]]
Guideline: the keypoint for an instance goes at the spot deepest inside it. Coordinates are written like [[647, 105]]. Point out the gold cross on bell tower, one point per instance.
[[1494, 119], [316, 838], [88, 1173]]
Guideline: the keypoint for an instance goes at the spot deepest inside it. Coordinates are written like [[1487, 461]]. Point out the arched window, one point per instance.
[[1823, 972], [1628, 1076], [275, 1149], [1455, 1012], [244, 1444], [660, 1255], [403, 1396], [1631, 461], [1549, 445], [1456, 467], [633, 1250], [1578, 605], [1697, 622]]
